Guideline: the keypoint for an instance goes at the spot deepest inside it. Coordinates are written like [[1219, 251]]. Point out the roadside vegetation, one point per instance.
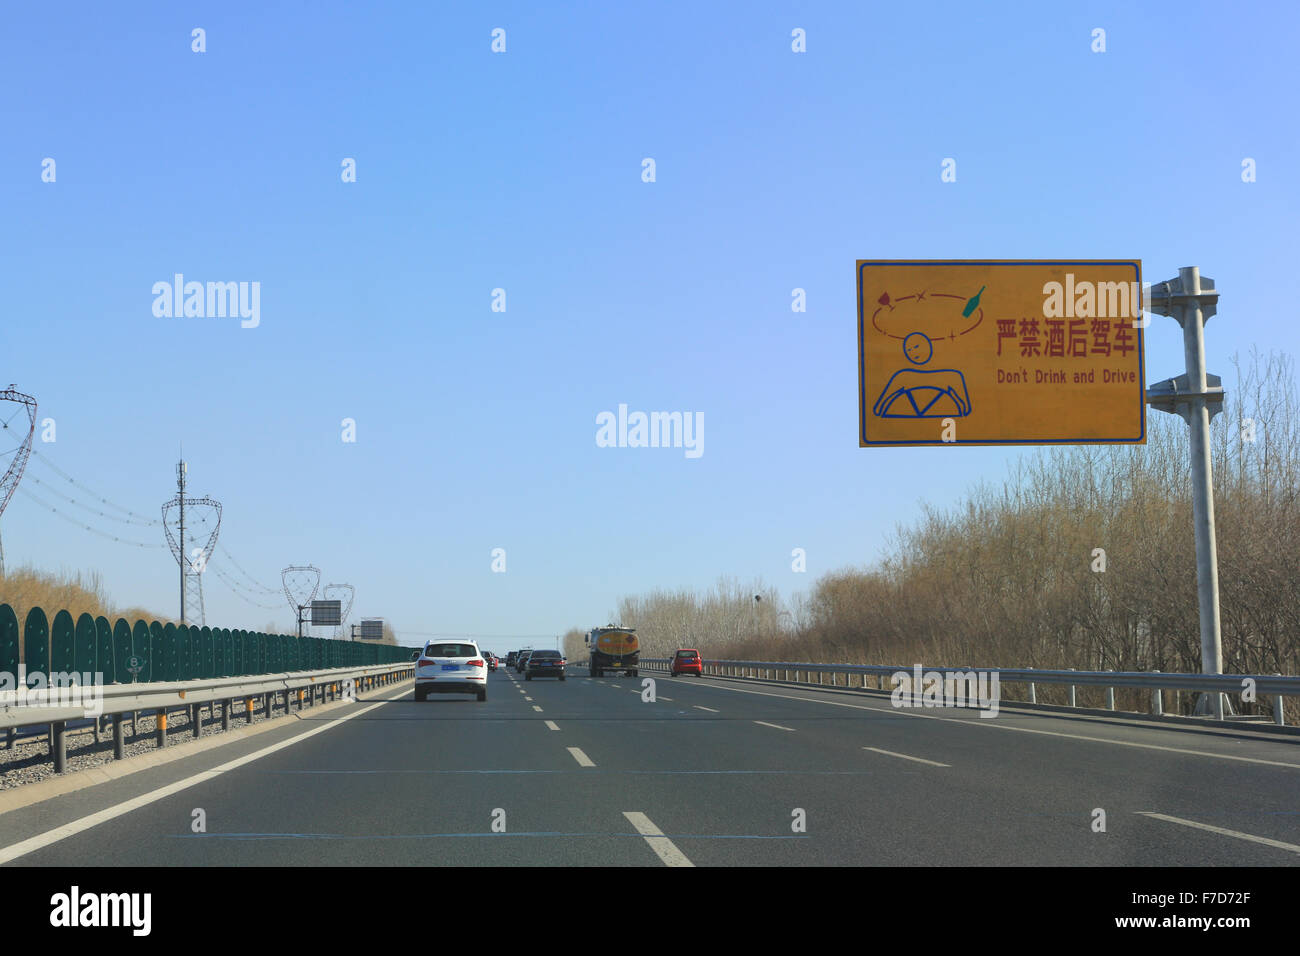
[[1011, 575], [79, 593]]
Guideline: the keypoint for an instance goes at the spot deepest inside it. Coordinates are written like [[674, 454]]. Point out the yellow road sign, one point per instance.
[[1000, 352]]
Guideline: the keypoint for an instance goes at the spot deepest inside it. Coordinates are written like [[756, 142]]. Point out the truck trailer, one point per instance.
[[613, 648]]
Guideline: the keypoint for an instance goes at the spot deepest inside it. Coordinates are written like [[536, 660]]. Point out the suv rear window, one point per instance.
[[451, 650]]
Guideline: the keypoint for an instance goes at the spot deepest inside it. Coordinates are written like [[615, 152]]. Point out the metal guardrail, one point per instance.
[[52, 706], [1276, 686]]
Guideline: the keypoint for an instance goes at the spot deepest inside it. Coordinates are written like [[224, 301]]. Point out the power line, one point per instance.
[[138, 518], [142, 522], [81, 524], [254, 582], [238, 593], [245, 592]]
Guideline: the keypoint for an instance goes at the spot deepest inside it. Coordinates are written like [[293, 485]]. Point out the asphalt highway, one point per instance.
[[712, 772]]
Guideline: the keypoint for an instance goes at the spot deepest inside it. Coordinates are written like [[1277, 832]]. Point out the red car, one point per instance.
[[686, 661]]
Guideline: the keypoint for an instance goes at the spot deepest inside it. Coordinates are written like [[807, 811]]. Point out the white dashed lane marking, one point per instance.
[[1222, 831], [890, 753], [664, 848], [582, 758]]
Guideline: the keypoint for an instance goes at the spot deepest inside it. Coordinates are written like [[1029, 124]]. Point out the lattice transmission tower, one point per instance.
[[192, 526], [343, 593], [15, 445], [300, 586]]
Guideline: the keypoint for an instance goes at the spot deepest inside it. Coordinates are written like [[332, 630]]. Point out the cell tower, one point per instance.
[[344, 593], [192, 523], [300, 586], [14, 445]]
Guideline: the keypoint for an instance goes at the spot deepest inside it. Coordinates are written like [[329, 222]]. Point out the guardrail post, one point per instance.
[[1157, 700], [225, 713], [266, 705], [1072, 697], [1033, 690], [119, 743], [1278, 714], [196, 720], [1110, 696], [59, 745], [248, 710], [160, 723]]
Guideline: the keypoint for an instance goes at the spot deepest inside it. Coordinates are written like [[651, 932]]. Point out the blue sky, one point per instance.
[[522, 171]]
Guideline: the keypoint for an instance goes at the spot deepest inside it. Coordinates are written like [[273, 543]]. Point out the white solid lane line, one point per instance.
[[999, 725], [661, 697], [582, 758], [552, 725], [709, 709], [764, 723], [1222, 831], [890, 753], [49, 837], [664, 848]]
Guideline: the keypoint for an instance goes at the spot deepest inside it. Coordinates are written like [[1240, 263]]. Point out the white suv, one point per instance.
[[451, 667]]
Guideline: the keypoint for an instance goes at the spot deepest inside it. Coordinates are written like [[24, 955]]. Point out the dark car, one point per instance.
[[545, 664], [511, 658], [522, 661]]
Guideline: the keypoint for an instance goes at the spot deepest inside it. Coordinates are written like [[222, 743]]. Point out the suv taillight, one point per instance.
[[474, 663], [424, 661]]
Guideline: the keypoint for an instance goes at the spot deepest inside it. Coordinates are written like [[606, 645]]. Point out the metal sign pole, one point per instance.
[[180, 484], [1197, 397]]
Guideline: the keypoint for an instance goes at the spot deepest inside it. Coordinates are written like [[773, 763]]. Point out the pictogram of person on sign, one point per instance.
[[915, 392]]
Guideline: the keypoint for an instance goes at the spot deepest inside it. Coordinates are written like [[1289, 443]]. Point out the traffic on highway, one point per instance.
[[646, 437]]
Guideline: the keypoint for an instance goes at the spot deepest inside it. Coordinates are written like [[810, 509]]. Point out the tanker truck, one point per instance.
[[613, 648]]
